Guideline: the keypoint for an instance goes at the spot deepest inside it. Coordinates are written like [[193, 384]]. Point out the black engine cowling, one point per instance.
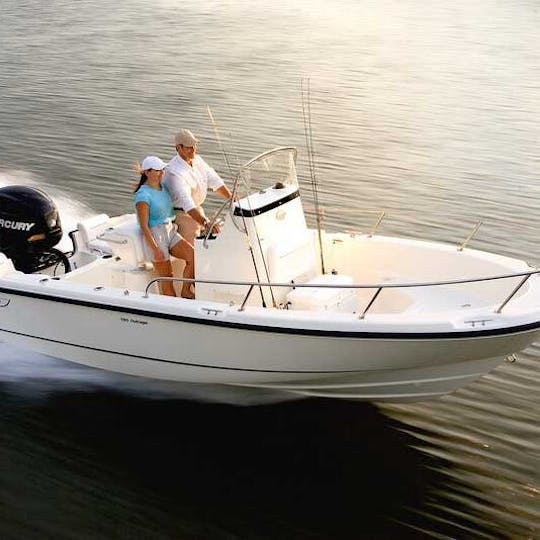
[[30, 227]]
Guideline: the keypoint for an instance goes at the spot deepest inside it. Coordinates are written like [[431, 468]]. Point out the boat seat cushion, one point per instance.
[[92, 228], [337, 298], [126, 241], [293, 258]]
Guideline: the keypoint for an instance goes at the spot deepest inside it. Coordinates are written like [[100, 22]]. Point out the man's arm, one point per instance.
[[198, 217], [202, 221], [224, 191]]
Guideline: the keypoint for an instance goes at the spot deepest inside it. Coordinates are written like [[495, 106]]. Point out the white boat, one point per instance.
[[279, 306]]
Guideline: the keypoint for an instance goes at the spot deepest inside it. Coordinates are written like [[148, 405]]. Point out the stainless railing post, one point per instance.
[[246, 298], [371, 302], [172, 279], [512, 294]]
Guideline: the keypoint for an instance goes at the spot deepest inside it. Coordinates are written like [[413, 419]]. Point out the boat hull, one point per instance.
[[370, 366]]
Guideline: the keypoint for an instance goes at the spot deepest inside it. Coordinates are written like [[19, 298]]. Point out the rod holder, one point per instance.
[[377, 223], [462, 246]]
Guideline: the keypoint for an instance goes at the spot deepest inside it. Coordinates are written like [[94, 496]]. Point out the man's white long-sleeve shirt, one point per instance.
[[188, 185]]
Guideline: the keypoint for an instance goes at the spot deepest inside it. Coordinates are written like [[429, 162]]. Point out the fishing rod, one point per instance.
[[308, 131], [235, 186], [220, 144], [234, 175]]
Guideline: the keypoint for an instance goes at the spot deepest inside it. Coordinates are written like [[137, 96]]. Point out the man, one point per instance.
[[187, 179]]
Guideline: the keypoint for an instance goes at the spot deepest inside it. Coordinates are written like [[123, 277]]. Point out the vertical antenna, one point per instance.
[[308, 131]]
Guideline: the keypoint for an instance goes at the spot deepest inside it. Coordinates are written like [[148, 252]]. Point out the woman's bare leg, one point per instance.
[[184, 250], [164, 269]]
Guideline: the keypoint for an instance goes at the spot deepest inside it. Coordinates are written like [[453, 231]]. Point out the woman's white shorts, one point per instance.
[[166, 236]]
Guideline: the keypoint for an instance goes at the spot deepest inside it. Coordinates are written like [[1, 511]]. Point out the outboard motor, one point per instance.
[[29, 229]]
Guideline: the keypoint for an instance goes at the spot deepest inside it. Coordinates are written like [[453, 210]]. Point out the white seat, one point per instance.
[[292, 259], [90, 229], [339, 299], [6, 266], [126, 241]]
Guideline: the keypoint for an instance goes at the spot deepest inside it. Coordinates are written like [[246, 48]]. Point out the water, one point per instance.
[[428, 111]]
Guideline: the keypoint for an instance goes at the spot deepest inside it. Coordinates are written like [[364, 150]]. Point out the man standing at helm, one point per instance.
[[187, 178]]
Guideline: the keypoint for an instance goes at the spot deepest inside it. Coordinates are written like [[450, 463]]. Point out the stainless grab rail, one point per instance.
[[378, 286], [380, 216], [111, 239]]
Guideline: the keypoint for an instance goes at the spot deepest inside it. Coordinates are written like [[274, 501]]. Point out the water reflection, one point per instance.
[[110, 464], [426, 110]]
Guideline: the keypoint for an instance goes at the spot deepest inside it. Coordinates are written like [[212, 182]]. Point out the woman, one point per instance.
[[155, 213]]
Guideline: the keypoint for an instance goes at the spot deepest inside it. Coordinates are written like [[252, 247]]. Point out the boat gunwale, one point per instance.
[[474, 332]]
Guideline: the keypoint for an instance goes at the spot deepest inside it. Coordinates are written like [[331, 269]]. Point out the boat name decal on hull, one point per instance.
[[134, 321]]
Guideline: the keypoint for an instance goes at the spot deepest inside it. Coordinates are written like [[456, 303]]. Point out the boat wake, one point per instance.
[[72, 211], [36, 376]]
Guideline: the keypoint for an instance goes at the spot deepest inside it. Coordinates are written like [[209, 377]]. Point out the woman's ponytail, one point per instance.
[[138, 169], [142, 181]]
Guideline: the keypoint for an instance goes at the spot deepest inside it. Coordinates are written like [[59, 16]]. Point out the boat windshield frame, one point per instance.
[[242, 178], [290, 178]]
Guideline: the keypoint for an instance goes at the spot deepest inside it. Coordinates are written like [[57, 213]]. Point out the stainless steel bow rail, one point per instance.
[[381, 214], [352, 211], [378, 286]]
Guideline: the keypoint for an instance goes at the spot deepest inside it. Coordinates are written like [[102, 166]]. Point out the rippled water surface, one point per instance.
[[430, 111]]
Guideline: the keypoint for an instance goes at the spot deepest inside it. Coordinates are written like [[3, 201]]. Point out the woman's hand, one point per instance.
[[143, 213]]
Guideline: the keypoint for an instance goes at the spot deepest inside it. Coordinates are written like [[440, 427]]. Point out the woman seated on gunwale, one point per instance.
[[155, 213]]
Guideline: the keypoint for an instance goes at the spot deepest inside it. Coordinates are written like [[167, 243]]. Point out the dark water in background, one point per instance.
[[427, 110]]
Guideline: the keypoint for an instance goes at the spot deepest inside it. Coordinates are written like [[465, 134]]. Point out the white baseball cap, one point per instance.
[[153, 162], [185, 138]]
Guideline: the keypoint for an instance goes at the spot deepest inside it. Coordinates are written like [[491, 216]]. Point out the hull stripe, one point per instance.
[[418, 336], [189, 364]]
